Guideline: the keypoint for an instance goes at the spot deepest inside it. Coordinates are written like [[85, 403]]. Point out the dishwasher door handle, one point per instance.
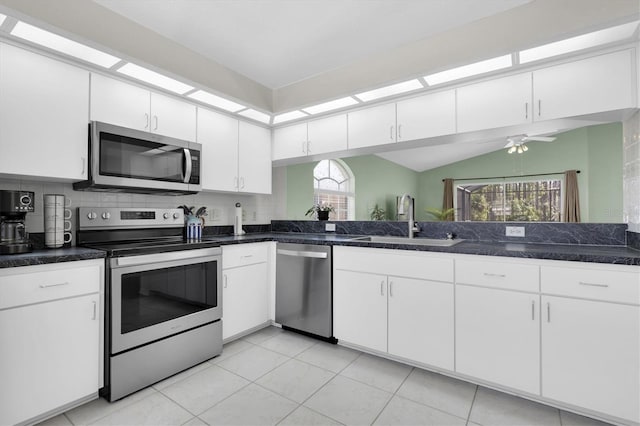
[[295, 253]]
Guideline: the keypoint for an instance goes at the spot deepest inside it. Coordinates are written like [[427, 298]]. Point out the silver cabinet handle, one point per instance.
[[242, 183], [308, 147], [390, 288], [312, 254], [487, 274], [391, 132], [548, 312], [400, 131], [226, 281], [235, 182], [526, 110], [146, 120], [84, 163], [95, 310], [304, 147], [381, 288], [54, 285], [593, 284], [539, 107], [155, 117], [188, 161], [533, 310]]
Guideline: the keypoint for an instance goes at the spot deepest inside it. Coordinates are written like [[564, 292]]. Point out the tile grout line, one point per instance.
[[395, 393], [473, 401]]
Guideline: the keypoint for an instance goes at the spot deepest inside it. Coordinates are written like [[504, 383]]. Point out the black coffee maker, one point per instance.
[[14, 206]]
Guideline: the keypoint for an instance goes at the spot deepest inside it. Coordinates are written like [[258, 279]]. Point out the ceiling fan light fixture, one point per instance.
[[512, 150], [524, 148]]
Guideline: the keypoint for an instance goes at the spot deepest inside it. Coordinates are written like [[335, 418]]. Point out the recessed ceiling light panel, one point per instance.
[[216, 101], [464, 71], [154, 78], [394, 89], [331, 105], [585, 41], [256, 115], [288, 116], [63, 45]]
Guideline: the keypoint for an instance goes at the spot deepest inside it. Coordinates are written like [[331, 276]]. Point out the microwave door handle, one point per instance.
[[188, 165]]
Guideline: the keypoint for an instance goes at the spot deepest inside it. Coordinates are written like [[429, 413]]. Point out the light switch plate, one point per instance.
[[330, 227], [515, 231]]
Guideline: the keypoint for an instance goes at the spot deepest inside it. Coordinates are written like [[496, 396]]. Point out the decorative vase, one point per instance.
[[323, 215]]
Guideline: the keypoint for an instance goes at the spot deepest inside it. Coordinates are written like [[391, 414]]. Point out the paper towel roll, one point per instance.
[[237, 224]]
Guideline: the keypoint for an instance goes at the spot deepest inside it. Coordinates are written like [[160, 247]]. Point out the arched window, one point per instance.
[[333, 183]]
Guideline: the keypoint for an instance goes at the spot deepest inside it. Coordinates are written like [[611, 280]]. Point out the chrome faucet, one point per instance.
[[413, 226]]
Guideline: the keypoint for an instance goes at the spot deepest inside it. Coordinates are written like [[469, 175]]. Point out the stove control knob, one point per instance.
[[92, 215], [106, 215], [176, 215], [166, 215]]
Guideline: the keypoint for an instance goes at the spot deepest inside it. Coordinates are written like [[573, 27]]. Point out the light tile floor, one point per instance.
[[278, 377]]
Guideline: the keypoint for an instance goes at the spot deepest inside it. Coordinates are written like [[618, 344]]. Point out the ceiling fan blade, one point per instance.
[[539, 138]]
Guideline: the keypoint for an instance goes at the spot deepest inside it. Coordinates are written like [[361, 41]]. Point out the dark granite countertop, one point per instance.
[[40, 257], [620, 255]]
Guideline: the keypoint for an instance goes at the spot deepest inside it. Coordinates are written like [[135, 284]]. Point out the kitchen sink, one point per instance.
[[411, 241]]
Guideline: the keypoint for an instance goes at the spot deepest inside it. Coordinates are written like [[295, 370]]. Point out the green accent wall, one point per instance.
[[376, 181], [596, 151]]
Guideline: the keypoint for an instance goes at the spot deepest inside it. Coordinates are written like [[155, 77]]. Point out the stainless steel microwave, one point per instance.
[[128, 160]]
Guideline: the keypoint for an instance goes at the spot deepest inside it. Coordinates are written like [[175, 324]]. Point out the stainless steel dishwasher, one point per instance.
[[304, 289]]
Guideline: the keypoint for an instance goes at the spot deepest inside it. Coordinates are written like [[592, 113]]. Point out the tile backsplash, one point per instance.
[[257, 209]]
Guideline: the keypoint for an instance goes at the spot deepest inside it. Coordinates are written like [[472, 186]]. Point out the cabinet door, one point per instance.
[[172, 117], [421, 321], [602, 83], [245, 292], [44, 107], [590, 355], [427, 116], [372, 126], [50, 354], [327, 135], [498, 336], [496, 103], [119, 103], [290, 142], [254, 167], [218, 135], [360, 309]]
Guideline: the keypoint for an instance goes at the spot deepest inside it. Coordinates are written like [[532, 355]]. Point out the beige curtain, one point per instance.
[[571, 197], [447, 199]]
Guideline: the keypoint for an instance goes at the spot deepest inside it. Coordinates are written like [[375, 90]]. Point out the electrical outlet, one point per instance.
[[515, 231], [330, 227]]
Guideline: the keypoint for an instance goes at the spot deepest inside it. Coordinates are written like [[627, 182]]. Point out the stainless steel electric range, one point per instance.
[[163, 295]]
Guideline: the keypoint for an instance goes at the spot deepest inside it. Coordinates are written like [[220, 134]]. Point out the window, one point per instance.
[[333, 183], [532, 201]]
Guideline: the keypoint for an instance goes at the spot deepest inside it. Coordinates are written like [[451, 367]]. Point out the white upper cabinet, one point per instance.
[[290, 142], [427, 116], [372, 126], [218, 135], [254, 159], [601, 83], [44, 111], [122, 104], [327, 135], [236, 156], [312, 138], [495, 103]]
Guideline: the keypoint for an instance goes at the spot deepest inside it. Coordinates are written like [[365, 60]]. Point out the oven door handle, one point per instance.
[[145, 259], [188, 165]]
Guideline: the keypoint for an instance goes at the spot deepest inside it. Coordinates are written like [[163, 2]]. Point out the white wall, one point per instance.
[[258, 209], [631, 172]]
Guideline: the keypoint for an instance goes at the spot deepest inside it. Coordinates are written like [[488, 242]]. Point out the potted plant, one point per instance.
[[440, 214], [322, 210], [377, 213]]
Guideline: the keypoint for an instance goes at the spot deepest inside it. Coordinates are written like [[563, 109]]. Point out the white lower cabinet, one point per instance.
[[498, 336], [245, 288], [410, 318], [50, 331]]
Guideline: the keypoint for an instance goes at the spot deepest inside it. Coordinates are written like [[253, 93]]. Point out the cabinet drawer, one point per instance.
[[401, 263], [509, 276], [44, 285], [599, 284], [244, 254]]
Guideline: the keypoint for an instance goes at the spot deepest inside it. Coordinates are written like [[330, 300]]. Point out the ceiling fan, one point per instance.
[[517, 143]]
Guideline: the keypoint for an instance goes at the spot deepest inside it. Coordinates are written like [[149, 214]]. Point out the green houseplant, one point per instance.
[[321, 210], [377, 213], [440, 214]]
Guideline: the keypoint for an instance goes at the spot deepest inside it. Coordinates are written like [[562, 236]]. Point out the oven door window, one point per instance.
[[155, 296], [127, 157]]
